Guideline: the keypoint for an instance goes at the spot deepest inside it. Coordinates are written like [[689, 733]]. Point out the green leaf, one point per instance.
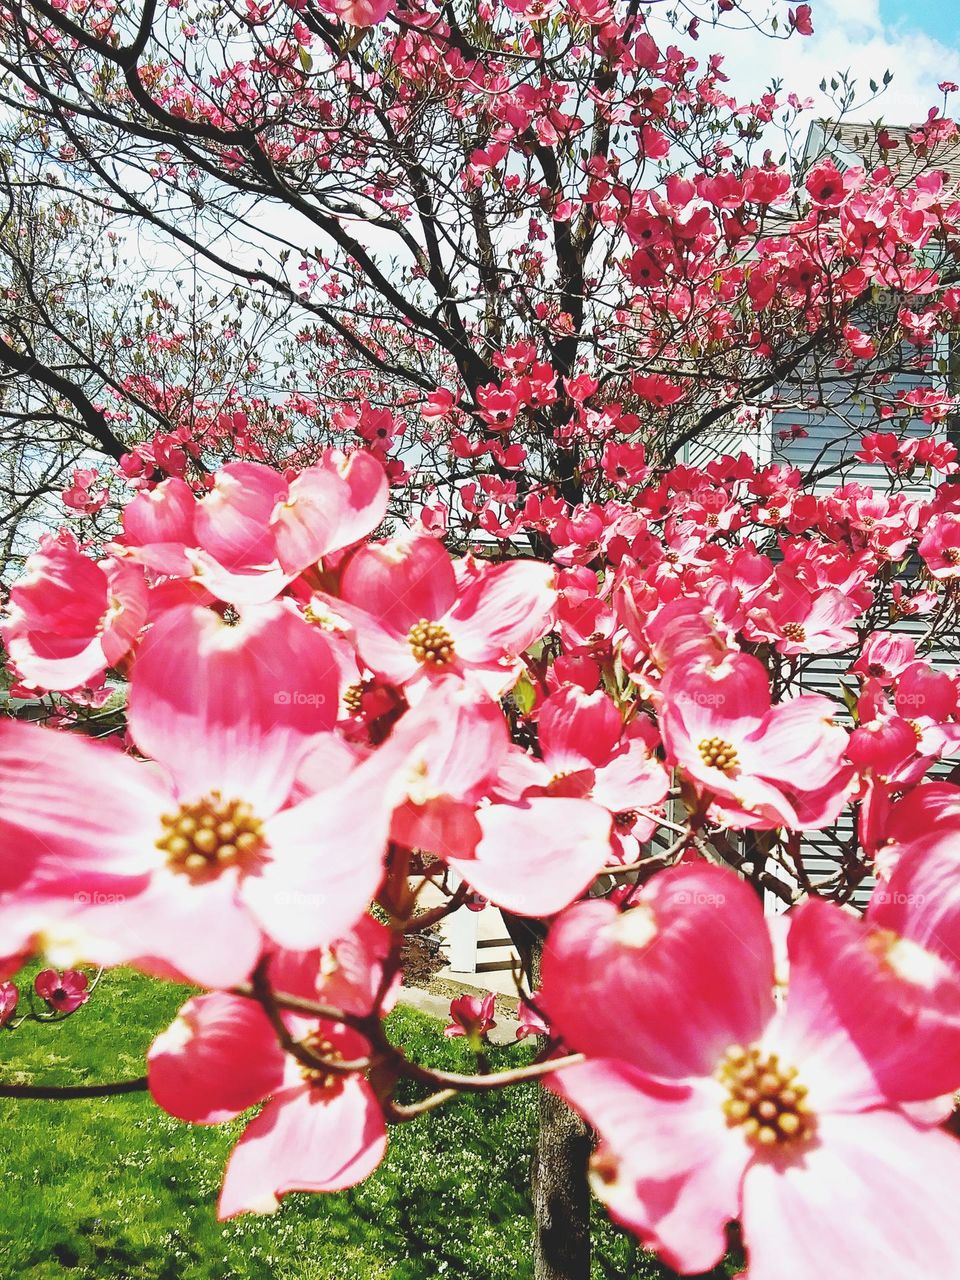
[[524, 694], [850, 699]]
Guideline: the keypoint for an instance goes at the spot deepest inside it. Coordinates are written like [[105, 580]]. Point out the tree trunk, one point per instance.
[[561, 1195]]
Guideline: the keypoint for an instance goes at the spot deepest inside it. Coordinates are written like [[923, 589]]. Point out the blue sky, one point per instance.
[[917, 40], [936, 18]]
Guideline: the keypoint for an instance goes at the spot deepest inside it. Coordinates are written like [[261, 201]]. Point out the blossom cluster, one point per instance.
[[321, 720]]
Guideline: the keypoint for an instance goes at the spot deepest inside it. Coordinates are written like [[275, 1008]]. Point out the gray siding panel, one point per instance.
[[831, 440]]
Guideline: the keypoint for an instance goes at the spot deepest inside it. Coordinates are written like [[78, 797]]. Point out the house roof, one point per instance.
[[857, 143]]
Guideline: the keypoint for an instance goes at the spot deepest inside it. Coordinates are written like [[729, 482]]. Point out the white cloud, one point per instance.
[[847, 37]]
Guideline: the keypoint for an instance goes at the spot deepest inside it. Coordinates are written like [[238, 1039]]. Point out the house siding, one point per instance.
[[829, 444]]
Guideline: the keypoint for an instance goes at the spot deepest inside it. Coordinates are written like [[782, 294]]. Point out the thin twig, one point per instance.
[[68, 1091]]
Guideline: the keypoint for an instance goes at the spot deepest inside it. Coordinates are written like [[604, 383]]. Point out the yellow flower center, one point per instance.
[[717, 754], [322, 1079], [765, 1099], [431, 642], [353, 698], [320, 616], [793, 631], [203, 838]]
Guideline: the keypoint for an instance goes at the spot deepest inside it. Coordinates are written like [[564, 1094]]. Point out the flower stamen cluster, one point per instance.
[[431, 643], [765, 1100], [205, 837], [323, 1080], [718, 754]]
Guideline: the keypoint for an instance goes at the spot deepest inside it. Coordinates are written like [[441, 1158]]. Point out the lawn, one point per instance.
[[114, 1189]]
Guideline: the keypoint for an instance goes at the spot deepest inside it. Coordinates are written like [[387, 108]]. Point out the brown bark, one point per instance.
[[561, 1195]]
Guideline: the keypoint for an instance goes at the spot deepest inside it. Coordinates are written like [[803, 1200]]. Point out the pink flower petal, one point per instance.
[[326, 861], [219, 1057], [232, 520], [45, 665], [233, 708], [348, 974], [504, 610], [331, 505], [632, 777], [668, 985], [860, 1031], [364, 495], [798, 743], [921, 900], [536, 857], [667, 1167], [451, 743], [398, 583], [304, 526], [162, 515], [73, 813], [578, 730], [46, 982], [173, 928], [874, 1197], [129, 604], [237, 586], [304, 1141]]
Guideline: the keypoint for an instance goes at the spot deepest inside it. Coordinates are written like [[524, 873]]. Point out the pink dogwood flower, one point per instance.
[[70, 617], [940, 547], [712, 1102], [530, 1020], [360, 13], [530, 854], [181, 869], [472, 1017], [764, 766], [587, 754], [797, 620], [885, 656], [255, 531], [63, 992], [925, 694], [9, 996], [420, 616], [321, 1128]]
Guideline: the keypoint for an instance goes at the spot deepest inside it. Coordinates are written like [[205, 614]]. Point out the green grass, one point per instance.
[[115, 1189]]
